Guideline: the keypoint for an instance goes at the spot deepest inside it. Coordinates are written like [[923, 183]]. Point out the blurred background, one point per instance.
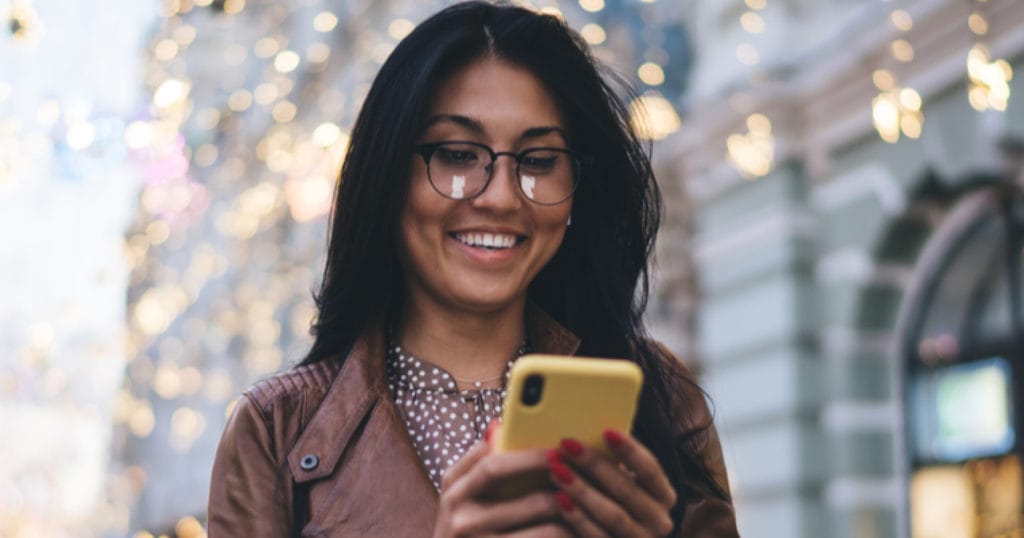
[[840, 258]]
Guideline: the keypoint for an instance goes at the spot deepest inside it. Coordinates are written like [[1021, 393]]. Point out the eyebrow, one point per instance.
[[478, 127]]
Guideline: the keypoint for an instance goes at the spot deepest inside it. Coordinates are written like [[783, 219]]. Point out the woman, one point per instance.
[[493, 201]]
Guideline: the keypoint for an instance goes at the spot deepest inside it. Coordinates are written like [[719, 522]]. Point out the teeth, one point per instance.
[[487, 240]]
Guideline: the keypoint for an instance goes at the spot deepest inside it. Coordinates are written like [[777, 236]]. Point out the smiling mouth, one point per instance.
[[489, 241]]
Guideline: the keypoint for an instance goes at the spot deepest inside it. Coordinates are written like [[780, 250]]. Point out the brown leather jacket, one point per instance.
[[320, 452]]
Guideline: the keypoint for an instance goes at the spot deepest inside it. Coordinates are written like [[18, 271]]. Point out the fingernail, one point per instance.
[[489, 432], [561, 473], [564, 501], [614, 438], [572, 447], [554, 457]]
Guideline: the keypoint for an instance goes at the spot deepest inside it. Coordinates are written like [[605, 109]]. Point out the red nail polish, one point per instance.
[[489, 432], [561, 473], [614, 438], [564, 501], [572, 447], [554, 457]]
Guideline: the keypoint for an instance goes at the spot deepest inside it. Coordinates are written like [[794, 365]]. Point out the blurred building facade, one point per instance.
[[854, 175]]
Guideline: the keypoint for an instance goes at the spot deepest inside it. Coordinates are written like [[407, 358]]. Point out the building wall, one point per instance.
[[802, 271]]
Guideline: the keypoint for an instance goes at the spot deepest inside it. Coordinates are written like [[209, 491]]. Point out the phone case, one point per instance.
[[581, 398]]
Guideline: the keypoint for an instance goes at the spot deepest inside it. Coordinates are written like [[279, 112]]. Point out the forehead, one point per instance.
[[497, 93]]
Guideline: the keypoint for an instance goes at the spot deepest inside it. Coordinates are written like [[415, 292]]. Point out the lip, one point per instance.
[[488, 230], [485, 256]]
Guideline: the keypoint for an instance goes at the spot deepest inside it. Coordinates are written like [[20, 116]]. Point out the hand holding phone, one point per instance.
[[605, 482], [551, 398]]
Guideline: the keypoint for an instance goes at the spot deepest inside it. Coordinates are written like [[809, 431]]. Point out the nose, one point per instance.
[[502, 192]]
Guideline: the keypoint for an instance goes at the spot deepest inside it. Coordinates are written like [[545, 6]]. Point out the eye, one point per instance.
[[537, 161], [457, 155]]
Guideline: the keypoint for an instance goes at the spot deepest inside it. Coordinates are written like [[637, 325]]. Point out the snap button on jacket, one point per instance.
[[320, 450]]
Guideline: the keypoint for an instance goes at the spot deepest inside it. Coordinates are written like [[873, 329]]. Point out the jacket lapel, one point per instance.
[[378, 485]]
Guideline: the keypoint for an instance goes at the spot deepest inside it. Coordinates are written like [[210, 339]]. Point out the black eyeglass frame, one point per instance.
[[578, 160]]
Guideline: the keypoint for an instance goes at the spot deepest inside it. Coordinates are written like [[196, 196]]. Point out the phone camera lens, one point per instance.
[[532, 389]]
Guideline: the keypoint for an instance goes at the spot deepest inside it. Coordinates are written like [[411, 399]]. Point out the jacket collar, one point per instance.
[[361, 385]]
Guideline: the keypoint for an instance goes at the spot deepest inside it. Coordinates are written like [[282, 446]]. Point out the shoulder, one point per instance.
[[306, 381]]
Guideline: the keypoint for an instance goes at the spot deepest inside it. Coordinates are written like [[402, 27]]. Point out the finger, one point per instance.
[[577, 519], [452, 474], [481, 518], [493, 428], [608, 475], [469, 459], [492, 468], [647, 471], [609, 515]]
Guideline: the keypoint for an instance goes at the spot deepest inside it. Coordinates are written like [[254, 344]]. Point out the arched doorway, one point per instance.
[[964, 365]]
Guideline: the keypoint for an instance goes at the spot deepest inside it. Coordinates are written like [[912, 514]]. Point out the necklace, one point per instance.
[[477, 383]]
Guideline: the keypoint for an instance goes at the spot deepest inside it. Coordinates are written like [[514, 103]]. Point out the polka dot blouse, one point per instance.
[[443, 421]]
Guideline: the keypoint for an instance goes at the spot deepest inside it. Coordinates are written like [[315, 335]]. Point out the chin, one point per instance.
[[489, 301]]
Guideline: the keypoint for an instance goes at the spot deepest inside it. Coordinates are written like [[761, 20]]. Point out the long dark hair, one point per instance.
[[596, 284]]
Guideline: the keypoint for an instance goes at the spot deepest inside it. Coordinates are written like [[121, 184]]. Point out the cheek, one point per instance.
[[552, 224], [422, 218], [417, 198], [557, 217]]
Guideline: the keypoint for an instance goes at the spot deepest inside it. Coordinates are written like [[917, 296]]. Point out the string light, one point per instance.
[[752, 22], [399, 28], [286, 61], [988, 80], [22, 21], [652, 114], [653, 117], [233, 7], [325, 21], [651, 74], [896, 110], [752, 152], [594, 34], [266, 47]]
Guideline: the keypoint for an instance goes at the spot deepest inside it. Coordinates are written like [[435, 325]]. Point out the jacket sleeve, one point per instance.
[[246, 487], [709, 515], [706, 514]]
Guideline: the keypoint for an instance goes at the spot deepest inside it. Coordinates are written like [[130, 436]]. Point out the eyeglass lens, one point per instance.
[[460, 171]]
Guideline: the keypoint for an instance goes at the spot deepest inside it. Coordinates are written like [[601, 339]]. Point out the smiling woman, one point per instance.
[[478, 253], [493, 201]]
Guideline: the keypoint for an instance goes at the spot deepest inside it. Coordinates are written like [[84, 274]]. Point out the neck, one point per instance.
[[470, 345]]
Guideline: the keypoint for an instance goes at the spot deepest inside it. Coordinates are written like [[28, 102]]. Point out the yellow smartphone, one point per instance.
[[553, 397]]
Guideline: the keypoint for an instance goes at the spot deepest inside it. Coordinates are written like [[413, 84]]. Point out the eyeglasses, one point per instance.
[[462, 170]]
